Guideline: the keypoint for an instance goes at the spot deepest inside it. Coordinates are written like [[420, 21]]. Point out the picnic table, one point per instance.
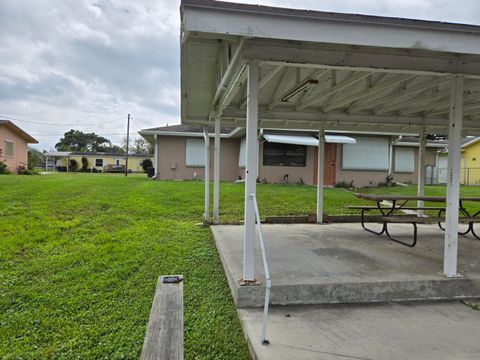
[[390, 208]]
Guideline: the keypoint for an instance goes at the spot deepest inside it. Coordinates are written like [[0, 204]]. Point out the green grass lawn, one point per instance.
[[80, 255]]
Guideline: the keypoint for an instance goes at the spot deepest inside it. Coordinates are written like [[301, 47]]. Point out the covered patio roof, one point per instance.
[[353, 72], [264, 67]]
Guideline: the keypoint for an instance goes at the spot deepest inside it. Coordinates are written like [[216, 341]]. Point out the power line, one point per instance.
[[138, 126], [58, 124]]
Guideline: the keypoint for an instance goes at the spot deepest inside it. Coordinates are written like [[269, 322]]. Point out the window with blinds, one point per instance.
[[195, 153], [404, 160], [369, 153], [8, 148]]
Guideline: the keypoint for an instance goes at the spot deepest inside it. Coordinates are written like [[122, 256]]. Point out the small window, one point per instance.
[[195, 153], [99, 162], [404, 160], [117, 162], [8, 148], [284, 154]]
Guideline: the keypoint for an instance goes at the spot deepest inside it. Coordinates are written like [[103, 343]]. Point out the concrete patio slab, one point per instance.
[[341, 263], [370, 331]]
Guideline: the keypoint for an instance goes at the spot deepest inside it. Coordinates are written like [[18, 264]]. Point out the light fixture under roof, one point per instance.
[[303, 87]]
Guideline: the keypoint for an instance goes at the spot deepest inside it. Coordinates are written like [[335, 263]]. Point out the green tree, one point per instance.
[[35, 158], [138, 146], [76, 140], [115, 149]]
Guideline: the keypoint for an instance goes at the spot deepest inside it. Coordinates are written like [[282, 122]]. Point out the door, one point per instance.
[[330, 165]]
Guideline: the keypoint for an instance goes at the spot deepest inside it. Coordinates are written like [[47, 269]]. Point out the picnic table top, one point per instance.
[[393, 197]]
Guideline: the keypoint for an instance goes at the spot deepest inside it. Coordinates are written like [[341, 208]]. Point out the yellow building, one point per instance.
[[469, 164], [101, 162]]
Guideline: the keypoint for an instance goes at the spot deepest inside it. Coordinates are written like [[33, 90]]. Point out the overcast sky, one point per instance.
[[85, 64]]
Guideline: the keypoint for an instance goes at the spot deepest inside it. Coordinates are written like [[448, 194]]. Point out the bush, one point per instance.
[[28, 172], [73, 165], [147, 163], [3, 165], [84, 164], [344, 184]]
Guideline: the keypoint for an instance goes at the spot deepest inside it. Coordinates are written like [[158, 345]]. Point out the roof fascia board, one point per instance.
[[471, 142], [180, 133], [28, 138], [416, 144], [345, 29]]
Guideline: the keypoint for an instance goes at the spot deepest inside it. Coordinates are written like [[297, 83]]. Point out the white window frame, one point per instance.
[[404, 160], [99, 165], [368, 154], [7, 155], [195, 152], [242, 154]]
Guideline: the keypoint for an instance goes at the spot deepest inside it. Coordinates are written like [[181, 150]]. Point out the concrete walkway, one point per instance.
[[410, 331]]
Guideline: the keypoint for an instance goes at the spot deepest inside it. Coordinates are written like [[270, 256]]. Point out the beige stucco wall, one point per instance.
[[20, 149], [363, 178], [171, 151]]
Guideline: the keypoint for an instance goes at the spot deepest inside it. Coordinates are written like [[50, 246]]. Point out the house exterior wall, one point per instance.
[[363, 178], [172, 152], [134, 163], [20, 149]]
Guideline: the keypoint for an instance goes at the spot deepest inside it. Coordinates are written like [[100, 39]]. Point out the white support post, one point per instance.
[[206, 216], [453, 177], [250, 172], [216, 173], [320, 170], [422, 143], [155, 157]]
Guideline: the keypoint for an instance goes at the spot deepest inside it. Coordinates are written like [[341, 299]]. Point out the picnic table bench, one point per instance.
[[392, 214]]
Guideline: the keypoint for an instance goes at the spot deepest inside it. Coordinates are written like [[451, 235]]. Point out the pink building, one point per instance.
[[14, 145]]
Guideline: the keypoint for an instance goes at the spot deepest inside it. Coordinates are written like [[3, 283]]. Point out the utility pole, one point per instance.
[[128, 135]]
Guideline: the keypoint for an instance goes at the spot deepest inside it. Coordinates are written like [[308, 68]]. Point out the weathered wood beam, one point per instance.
[[374, 90], [354, 78], [233, 67], [264, 81], [164, 336], [401, 95]]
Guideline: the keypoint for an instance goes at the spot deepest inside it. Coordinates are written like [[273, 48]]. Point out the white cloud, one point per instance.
[[91, 61]]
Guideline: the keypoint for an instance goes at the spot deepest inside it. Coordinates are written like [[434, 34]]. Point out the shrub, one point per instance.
[[73, 165], [3, 165], [344, 184], [147, 163], [84, 164], [23, 171]]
